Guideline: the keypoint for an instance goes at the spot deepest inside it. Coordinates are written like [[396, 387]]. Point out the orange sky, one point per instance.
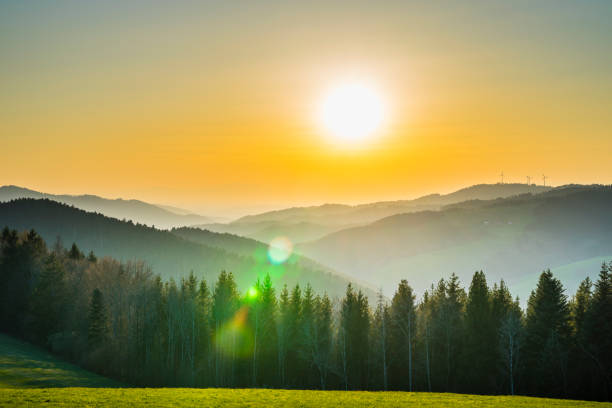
[[210, 106]]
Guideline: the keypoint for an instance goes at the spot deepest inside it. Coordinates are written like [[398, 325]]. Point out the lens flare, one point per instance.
[[234, 338], [252, 293], [279, 250]]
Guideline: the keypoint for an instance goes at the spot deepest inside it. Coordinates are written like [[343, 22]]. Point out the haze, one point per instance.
[[209, 106]]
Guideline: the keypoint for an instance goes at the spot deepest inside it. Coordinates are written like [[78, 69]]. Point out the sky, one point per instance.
[[211, 105]]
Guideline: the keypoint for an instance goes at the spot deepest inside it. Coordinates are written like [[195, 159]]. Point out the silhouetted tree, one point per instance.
[[480, 336], [354, 345], [598, 337], [403, 331], [98, 322], [547, 337], [380, 344], [48, 300], [75, 253]]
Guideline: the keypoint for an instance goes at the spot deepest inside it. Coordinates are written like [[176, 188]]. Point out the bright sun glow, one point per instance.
[[352, 112]]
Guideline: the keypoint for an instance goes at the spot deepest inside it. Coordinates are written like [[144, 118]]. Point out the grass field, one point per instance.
[[187, 397], [32, 377]]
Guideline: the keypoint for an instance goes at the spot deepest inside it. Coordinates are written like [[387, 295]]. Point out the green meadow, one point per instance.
[[188, 397], [32, 377]]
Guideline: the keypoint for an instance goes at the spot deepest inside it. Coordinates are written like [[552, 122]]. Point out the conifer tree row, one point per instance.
[[122, 321]]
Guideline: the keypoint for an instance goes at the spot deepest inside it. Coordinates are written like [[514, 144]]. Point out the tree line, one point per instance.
[[121, 320]]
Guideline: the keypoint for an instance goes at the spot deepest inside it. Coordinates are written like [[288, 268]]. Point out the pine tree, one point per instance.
[[425, 311], [268, 332], [282, 329], [22, 258], [204, 345], [447, 313], [262, 303], [321, 352], [480, 335], [98, 323], [92, 257], [547, 337], [224, 307], [354, 345], [403, 330], [580, 363], [75, 253], [188, 323], [306, 336], [579, 307], [294, 327], [599, 332], [48, 301], [380, 345]]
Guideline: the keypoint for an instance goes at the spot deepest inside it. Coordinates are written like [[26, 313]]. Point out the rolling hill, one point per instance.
[[301, 224], [513, 238], [134, 210], [170, 255]]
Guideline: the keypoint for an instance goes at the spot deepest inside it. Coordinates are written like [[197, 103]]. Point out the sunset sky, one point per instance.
[[212, 105]]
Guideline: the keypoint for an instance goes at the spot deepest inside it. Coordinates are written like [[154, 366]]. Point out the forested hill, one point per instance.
[[168, 254], [568, 230], [303, 224], [135, 210], [229, 242]]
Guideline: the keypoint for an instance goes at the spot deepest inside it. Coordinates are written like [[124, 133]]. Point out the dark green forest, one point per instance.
[[171, 254], [121, 320]]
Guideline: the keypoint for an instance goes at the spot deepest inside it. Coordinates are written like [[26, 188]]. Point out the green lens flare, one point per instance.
[[279, 250], [252, 292]]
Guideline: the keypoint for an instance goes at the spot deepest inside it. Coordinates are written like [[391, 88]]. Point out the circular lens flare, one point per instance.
[[279, 250]]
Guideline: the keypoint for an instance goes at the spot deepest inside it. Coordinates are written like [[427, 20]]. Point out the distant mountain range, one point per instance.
[[511, 231], [137, 211], [568, 229], [171, 254], [301, 224]]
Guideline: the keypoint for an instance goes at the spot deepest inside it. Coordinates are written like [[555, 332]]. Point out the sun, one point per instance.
[[352, 112]]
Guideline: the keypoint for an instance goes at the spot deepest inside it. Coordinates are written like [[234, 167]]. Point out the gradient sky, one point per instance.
[[209, 105]]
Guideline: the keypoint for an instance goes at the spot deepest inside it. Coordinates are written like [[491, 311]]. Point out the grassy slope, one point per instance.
[[25, 366], [29, 376]]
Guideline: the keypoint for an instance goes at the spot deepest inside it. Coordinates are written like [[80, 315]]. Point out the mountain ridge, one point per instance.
[[513, 239], [303, 224], [135, 210], [168, 254]]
